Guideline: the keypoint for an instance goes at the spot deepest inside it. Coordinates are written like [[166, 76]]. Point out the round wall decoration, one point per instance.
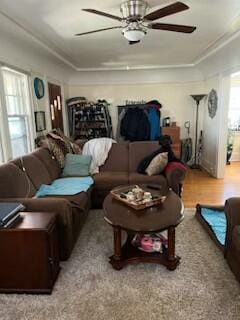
[[212, 103], [38, 88]]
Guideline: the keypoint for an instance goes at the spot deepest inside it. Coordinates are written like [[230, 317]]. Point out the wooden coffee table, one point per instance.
[[155, 219]]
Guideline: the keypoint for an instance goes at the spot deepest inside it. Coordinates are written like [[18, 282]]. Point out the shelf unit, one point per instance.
[[88, 120]]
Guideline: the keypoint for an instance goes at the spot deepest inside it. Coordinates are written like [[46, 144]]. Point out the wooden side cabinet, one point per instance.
[[29, 254], [174, 133]]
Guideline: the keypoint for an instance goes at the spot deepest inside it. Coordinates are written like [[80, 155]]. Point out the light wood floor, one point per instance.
[[199, 187]]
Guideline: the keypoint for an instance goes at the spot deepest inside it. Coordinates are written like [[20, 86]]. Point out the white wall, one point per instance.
[[217, 69], [18, 49], [175, 98], [210, 130]]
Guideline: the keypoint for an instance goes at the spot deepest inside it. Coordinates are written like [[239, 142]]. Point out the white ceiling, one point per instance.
[[55, 22]]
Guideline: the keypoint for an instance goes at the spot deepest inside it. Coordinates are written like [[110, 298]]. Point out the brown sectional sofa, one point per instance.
[[21, 178], [121, 168]]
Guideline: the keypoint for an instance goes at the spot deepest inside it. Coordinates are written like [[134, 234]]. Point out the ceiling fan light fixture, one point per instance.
[[133, 8], [134, 34]]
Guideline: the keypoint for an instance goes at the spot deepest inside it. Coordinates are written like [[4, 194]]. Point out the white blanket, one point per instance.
[[97, 148]]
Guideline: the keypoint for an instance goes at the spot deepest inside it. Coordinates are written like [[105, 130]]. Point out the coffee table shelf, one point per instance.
[[133, 255]]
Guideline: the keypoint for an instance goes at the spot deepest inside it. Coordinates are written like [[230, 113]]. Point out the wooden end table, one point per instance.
[[29, 254], [155, 219]]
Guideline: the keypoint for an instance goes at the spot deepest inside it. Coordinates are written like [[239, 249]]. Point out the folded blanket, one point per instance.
[[98, 149], [65, 186]]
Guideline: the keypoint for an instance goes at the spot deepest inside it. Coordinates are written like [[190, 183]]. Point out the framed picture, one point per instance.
[[40, 121]]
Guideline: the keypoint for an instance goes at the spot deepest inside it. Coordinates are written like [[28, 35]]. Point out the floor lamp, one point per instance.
[[197, 98]]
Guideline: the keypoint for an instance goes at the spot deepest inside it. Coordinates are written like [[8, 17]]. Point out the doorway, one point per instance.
[[233, 138], [55, 103]]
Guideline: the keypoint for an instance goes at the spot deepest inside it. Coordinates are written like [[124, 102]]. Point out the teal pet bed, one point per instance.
[[215, 223]]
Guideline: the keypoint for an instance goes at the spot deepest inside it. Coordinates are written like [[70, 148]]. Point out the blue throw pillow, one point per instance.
[[76, 165]]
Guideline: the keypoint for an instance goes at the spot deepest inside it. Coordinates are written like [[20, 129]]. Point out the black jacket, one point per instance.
[[165, 146], [135, 125]]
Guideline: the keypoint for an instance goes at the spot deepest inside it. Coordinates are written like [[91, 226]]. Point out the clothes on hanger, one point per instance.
[[154, 120], [135, 125], [118, 133]]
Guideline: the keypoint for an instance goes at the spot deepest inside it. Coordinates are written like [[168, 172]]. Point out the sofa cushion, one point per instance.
[[77, 165], [51, 164], [118, 159], [109, 179], [35, 170], [138, 151], [14, 183], [138, 178]]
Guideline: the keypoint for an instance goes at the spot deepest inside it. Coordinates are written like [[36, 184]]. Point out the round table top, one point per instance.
[[153, 219]]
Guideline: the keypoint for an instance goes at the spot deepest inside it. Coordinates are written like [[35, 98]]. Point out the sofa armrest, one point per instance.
[[232, 210], [175, 173]]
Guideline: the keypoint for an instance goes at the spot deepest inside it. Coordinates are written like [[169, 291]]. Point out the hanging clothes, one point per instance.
[[154, 116], [135, 125], [154, 120], [118, 133]]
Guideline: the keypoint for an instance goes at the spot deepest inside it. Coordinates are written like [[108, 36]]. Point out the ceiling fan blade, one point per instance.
[[107, 15], [133, 42], [94, 31], [172, 27], [166, 11]]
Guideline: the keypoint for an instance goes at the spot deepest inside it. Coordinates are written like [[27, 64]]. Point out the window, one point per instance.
[[234, 109], [18, 111]]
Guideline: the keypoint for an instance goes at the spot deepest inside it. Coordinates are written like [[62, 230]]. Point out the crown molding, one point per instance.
[[213, 48], [171, 66], [40, 41], [217, 45]]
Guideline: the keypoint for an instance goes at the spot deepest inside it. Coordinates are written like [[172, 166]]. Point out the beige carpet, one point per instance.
[[88, 288]]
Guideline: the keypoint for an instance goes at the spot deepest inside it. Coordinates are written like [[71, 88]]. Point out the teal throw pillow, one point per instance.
[[76, 165]]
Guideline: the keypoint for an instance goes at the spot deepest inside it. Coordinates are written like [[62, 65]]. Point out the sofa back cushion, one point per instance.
[[139, 150], [118, 158], [35, 169], [14, 183], [49, 161]]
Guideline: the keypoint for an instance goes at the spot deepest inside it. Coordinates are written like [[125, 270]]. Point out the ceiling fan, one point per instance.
[[136, 21]]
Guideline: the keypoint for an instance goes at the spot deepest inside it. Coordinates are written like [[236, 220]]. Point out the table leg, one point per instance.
[[115, 260], [173, 260], [171, 243]]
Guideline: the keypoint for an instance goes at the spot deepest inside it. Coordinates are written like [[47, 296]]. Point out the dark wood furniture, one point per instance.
[[174, 133], [155, 219], [29, 254]]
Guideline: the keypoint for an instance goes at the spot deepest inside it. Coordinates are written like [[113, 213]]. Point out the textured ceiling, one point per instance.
[[55, 22]]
